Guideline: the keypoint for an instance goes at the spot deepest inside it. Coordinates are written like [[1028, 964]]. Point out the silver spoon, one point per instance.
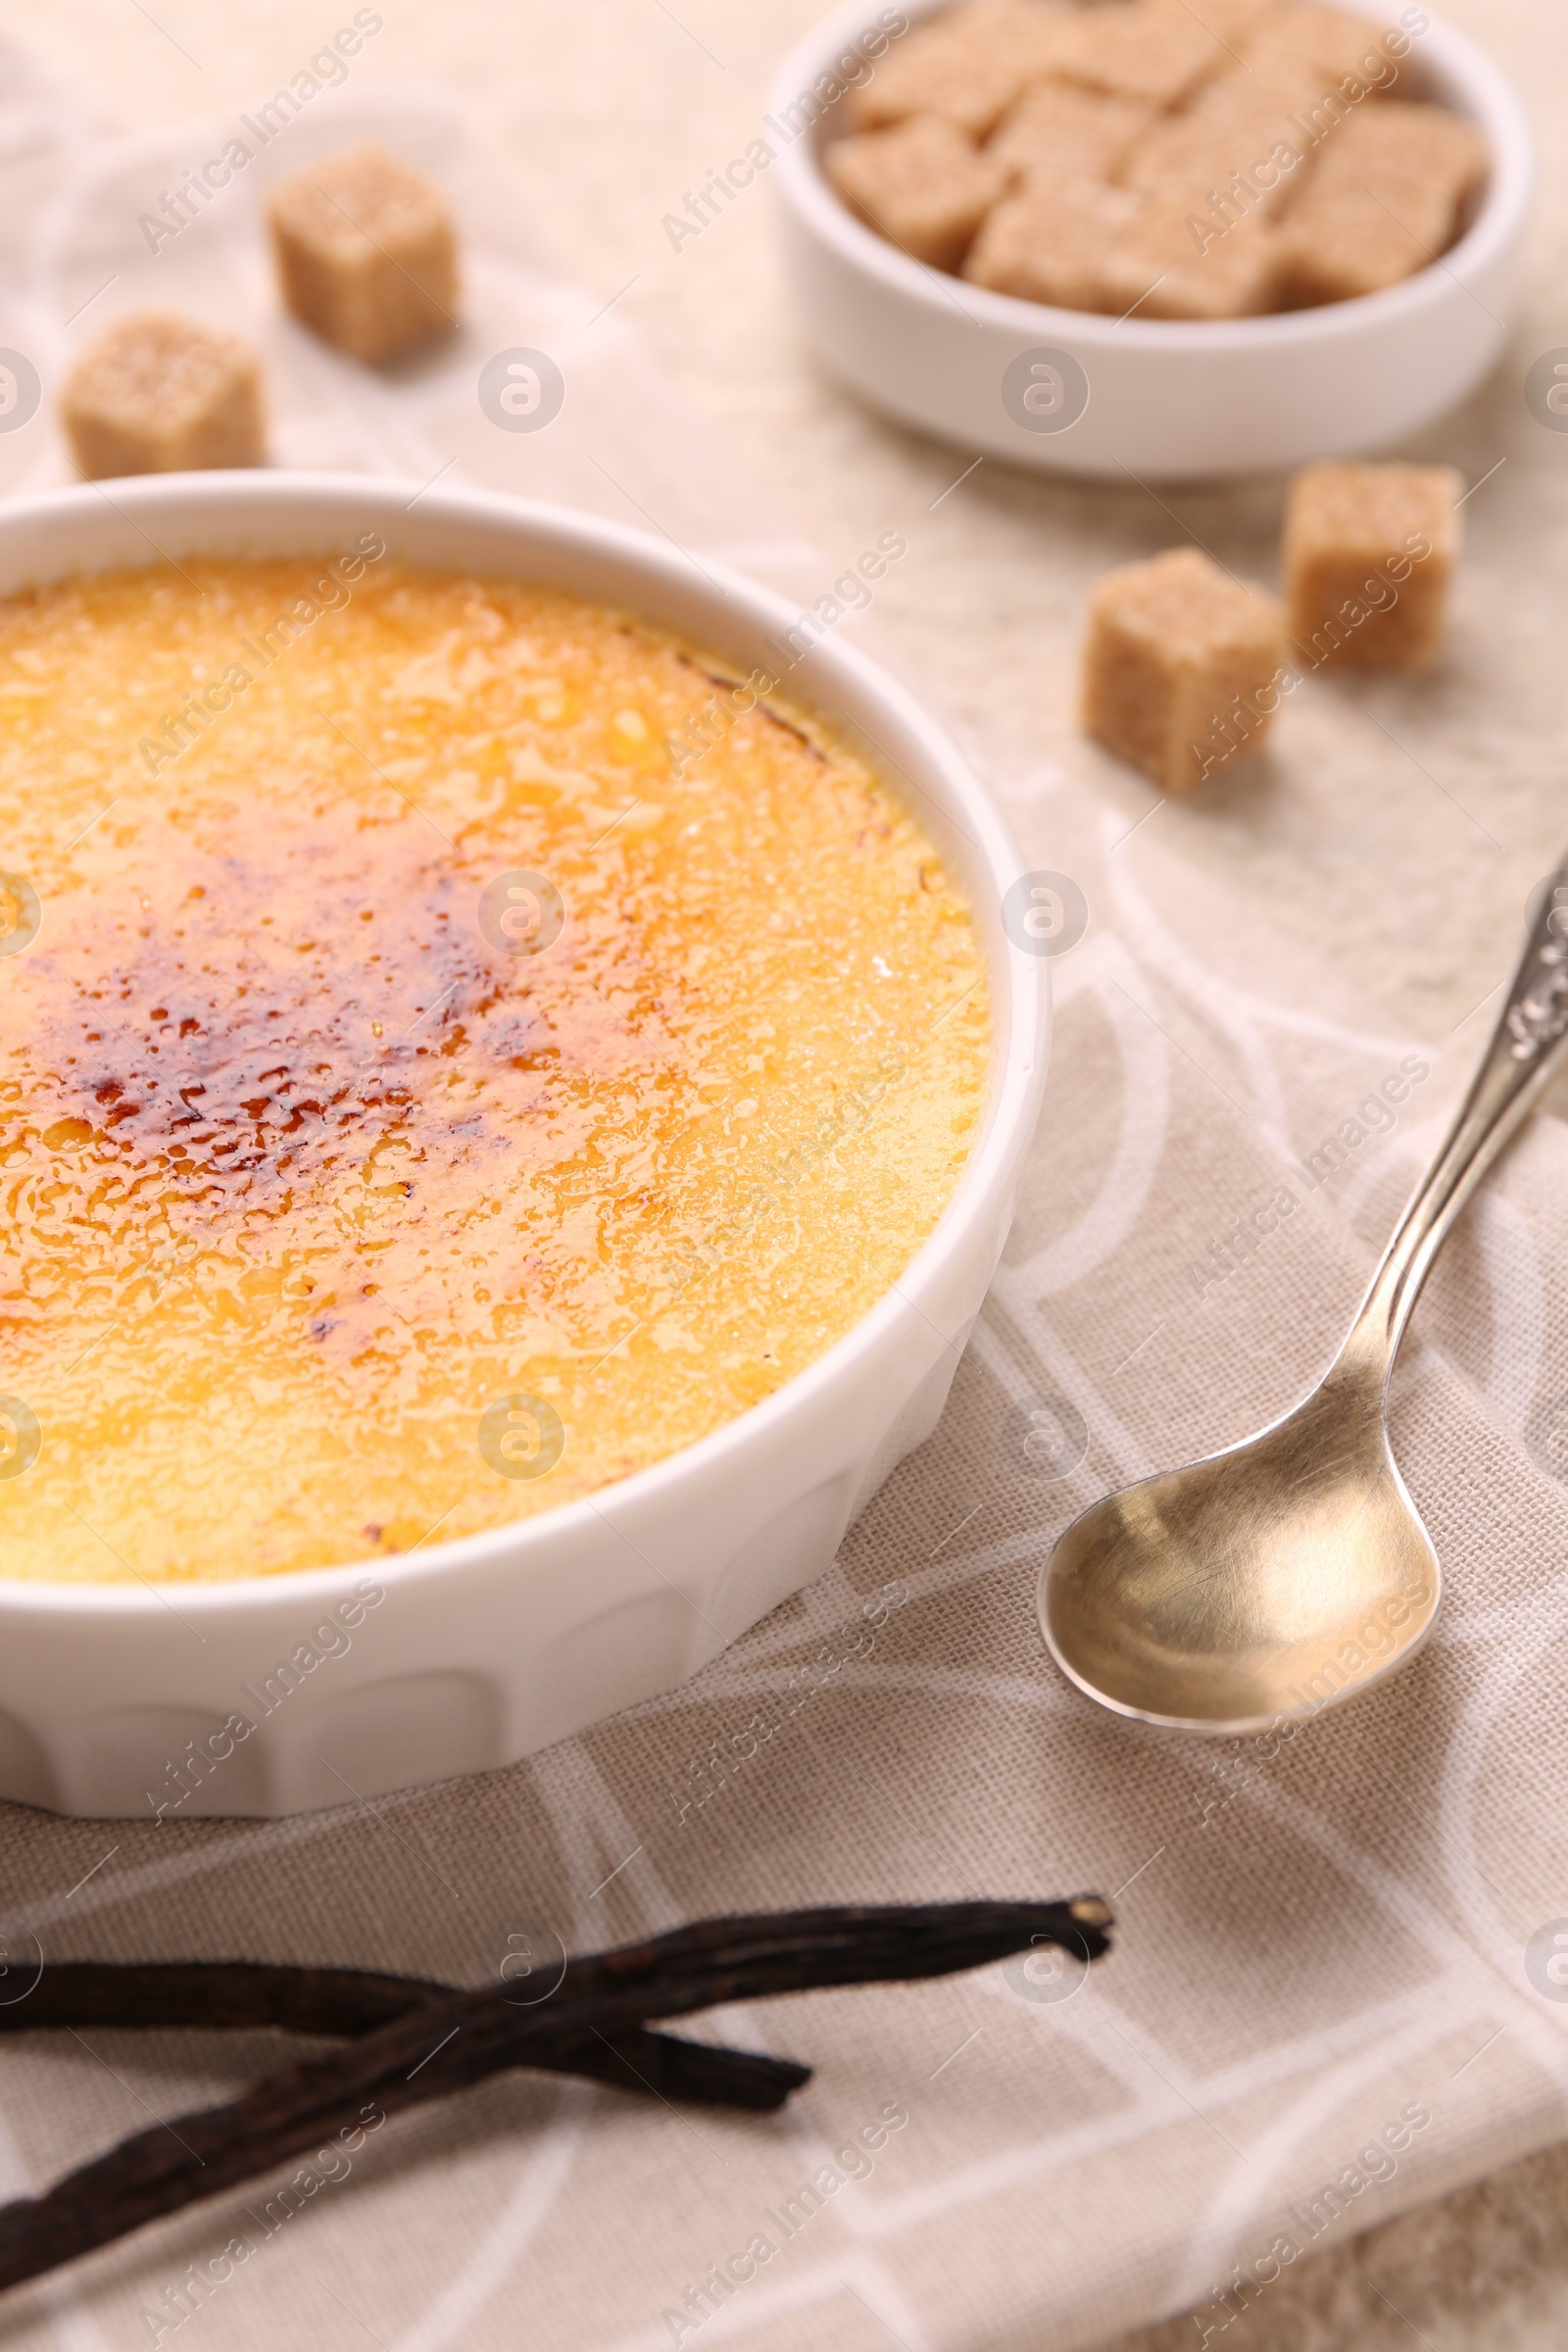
[[1290, 1572]]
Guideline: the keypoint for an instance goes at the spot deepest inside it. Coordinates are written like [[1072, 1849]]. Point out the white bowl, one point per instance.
[[485, 1649], [1170, 400]]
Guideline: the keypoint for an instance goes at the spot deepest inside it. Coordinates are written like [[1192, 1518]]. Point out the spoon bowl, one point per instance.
[[1282, 1575]]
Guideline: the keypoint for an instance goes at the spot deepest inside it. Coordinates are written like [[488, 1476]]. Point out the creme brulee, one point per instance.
[[359, 1193]]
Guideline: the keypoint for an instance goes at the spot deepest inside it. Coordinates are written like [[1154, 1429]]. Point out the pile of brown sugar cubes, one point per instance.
[[1187, 163], [365, 258], [1185, 667]]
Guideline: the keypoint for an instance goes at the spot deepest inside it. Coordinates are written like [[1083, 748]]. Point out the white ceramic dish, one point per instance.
[[483, 1649], [1166, 399]]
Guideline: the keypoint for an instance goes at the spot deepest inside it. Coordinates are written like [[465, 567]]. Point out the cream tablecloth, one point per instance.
[[1315, 1943]]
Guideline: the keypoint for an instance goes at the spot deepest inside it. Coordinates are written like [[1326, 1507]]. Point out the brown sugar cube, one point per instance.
[[1343, 246], [160, 394], [1238, 149], [1405, 139], [968, 63], [1058, 132], [1154, 50], [1085, 247], [1405, 148], [1369, 558], [1344, 52], [1174, 264], [1385, 200], [1056, 245], [1282, 96], [1208, 168], [365, 254], [922, 184], [1182, 668]]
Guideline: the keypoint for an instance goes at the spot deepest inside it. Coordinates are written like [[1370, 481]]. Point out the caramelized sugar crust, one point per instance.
[[304, 1169]]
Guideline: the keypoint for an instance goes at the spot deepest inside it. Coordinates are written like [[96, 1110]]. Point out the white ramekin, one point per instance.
[[485, 1649], [1168, 399]]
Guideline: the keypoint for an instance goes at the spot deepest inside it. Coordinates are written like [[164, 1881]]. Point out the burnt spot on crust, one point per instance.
[[253, 1051]]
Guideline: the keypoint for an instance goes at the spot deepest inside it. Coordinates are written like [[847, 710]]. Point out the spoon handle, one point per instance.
[[1519, 1060]]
